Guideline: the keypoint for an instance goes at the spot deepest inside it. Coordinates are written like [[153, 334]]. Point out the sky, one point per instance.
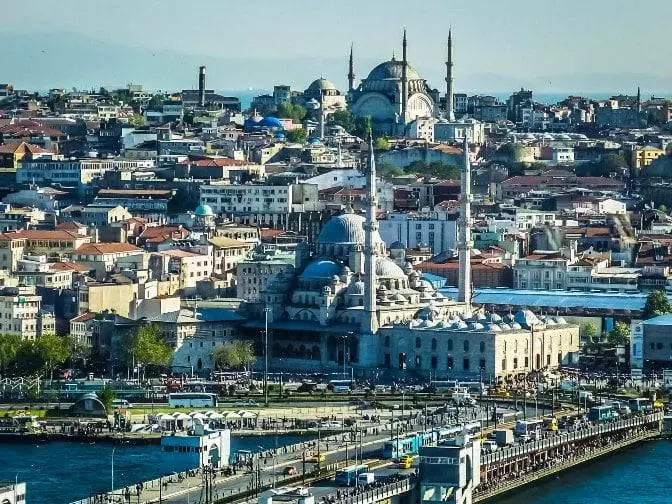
[[550, 46]]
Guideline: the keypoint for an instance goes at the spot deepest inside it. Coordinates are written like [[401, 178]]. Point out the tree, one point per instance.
[[236, 355], [381, 143], [107, 397], [156, 102], [137, 120], [343, 118], [387, 170], [291, 111], [656, 304], [362, 127], [51, 351], [297, 135], [662, 208], [147, 346], [9, 348], [620, 334], [590, 331], [416, 167]]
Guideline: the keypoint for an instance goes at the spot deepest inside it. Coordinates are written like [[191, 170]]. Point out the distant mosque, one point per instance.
[[394, 94]]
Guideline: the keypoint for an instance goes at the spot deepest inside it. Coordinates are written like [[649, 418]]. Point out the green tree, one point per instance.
[[291, 111], [236, 355], [381, 143], [107, 397], [10, 345], [137, 120], [155, 102], [51, 351], [80, 352], [620, 334], [590, 331], [416, 167], [656, 304], [343, 118], [662, 208], [442, 170], [387, 170], [147, 346], [297, 135], [362, 127]]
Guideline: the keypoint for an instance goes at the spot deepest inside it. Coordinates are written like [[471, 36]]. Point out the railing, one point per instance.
[[542, 473], [380, 493], [568, 437]]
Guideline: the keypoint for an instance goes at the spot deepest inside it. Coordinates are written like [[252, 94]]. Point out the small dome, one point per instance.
[[400, 298], [387, 268], [321, 84], [505, 326], [427, 313], [494, 317], [356, 288], [397, 245], [321, 268], [526, 318], [203, 210], [516, 325], [560, 320], [493, 327]]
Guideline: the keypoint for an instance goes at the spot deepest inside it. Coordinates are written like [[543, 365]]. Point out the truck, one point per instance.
[[462, 397], [504, 437], [586, 396], [366, 478], [602, 414]]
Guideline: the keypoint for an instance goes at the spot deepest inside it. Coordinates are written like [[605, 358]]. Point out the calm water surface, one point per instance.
[[62, 472]]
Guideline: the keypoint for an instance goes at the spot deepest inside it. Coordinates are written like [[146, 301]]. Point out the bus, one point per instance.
[[348, 476], [602, 413], [530, 429], [340, 386], [443, 385], [640, 404], [192, 400]]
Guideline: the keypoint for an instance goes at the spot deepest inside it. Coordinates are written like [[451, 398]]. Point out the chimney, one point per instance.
[[201, 86]]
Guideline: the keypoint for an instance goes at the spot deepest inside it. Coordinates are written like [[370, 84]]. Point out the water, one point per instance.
[[639, 474], [61, 472]]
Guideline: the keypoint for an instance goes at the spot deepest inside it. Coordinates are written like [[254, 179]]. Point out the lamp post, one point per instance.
[[112, 482], [266, 311]]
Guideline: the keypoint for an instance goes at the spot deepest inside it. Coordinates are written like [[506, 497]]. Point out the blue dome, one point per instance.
[[322, 268], [203, 210], [271, 122]]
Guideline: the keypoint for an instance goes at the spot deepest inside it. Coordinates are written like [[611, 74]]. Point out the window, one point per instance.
[[482, 346], [515, 363], [450, 344], [418, 362], [653, 346], [387, 341], [418, 227], [466, 345], [465, 364], [659, 346], [548, 360], [481, 364], [449, 363], [527, 362], [418, 343], [435, 362], [434, 344], [559, 358], [387, 360]]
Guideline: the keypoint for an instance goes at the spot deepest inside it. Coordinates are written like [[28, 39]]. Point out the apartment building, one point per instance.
[[21, 313]]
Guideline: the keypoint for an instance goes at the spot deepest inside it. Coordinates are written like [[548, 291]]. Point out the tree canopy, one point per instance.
[[434, 169], [292, 111], [40, 356], [107, 397], [590, 331], [381, 143], [610, 163], [656, 304], [147, 346], [620, 334], [297, 135], [239, 354]]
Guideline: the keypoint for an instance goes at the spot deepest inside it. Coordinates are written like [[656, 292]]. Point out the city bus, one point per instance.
[[192, 400], [530, 429], [640, 404], [349, 475], [340, 386]]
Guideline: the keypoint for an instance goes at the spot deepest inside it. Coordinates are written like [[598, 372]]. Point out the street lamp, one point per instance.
[[266, 311], [112, 483]]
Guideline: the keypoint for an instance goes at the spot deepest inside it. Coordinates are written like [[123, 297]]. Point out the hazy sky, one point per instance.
[[546, 45]]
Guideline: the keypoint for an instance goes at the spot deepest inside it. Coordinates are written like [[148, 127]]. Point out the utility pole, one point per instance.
[[266, 311]]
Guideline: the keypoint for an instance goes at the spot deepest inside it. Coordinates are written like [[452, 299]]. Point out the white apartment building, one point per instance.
[[422, 128], [432, 229], [527, 219], [189, 266], [541, 270], [21, 313], [73, 172]]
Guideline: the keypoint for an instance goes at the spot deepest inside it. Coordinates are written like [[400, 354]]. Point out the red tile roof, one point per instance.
[[215, 162], [106, 248]]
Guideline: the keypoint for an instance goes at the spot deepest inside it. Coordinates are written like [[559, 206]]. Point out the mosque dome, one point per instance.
[[356, 288], [397, 245], [271, 122], [393, 69], [321, 84], [321, 268], [387, 268], [526, 318], [203, 210], [344, 229]]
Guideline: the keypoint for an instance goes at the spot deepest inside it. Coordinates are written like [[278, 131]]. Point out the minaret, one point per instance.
[[351, 72], [450, 106], [465, 244], [639, 100], [201, 86], [369, 324], [404, 80]]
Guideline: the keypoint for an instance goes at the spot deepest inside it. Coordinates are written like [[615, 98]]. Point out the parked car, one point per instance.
[[289, 471]]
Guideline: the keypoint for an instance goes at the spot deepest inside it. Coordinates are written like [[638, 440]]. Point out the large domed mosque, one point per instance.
[[346, 299]]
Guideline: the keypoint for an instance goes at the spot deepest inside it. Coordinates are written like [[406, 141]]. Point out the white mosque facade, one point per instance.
[[347, 303]]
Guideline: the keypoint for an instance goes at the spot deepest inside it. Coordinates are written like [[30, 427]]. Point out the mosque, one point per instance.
[[394, 94], [344, 302]]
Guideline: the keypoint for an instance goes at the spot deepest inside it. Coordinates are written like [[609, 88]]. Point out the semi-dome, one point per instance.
[[393, 69], [321, 268], [387, 268], [345, 229], [203, 210]]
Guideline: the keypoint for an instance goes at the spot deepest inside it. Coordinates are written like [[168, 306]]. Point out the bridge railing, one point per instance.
[[568, 437], [379, 493]]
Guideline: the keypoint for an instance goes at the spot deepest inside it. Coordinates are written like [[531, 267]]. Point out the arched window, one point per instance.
[[387, 341], [434, 344], [418, 342], [466, 345], [450, 344], [482, 345]]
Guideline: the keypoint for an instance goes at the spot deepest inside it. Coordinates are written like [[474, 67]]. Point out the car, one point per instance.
[[289, 471], [315, 458], [249, 403], [304, 491], [121, 403]]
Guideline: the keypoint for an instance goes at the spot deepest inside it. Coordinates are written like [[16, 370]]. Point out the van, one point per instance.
[[489, 446], [121, 403]]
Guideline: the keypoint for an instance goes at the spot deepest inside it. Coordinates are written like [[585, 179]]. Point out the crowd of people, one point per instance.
[[378, 483]]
